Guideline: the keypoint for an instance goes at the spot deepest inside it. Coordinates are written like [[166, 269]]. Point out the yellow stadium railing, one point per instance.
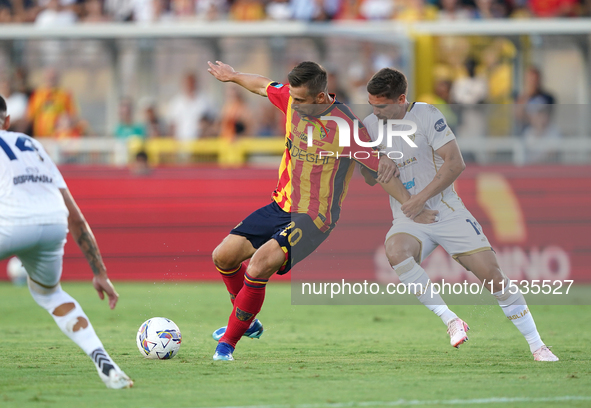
[[228, 153]]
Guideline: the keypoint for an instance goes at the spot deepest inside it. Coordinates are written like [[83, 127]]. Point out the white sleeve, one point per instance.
[[437, 131], [55, 173]]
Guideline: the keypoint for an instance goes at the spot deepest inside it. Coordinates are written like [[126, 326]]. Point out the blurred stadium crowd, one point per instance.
[[63, 12]]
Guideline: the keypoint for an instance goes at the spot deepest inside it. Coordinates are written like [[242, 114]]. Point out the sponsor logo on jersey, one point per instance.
[[409, 184], [277, 85], [29, 178], [407, 162], [440, 125]]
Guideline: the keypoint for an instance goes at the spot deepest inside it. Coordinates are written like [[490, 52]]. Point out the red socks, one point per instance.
[[247, 305], [233, 279]]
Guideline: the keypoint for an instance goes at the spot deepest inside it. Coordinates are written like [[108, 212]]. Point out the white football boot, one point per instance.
[[116, 379], [457, 329], [544, 354]]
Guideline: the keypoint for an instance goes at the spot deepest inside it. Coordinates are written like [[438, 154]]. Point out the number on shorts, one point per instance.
[[474, 225]]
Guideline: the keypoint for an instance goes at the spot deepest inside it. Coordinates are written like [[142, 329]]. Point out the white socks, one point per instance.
[[513, 304], [417, 282], [72, 321]]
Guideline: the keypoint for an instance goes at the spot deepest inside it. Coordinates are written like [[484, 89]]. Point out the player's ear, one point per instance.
[[6, 124], [402, 99], [320, 98]]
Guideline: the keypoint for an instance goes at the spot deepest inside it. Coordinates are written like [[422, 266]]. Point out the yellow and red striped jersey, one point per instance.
[[311, 179]]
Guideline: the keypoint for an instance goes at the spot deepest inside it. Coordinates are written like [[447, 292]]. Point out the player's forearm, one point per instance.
[[85, 239], [82, 234], [447, 174], [254, 83], [396, 189]]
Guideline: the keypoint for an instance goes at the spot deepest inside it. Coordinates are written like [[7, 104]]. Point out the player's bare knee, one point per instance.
[[224, 259], [401, 247], [64, 309]]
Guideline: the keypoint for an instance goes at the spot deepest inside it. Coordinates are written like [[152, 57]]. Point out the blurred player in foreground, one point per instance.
[[36, 210], [307, 201], [428, 172]]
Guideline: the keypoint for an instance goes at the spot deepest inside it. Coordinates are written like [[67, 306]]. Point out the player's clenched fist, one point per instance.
[[222, 72]]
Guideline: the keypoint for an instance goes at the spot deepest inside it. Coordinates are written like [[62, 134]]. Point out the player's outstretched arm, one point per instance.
[[85, 239], [225, 73], [453, 165]]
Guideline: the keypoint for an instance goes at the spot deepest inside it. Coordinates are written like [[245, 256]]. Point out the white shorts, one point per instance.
[[459, 234], [39, 247]]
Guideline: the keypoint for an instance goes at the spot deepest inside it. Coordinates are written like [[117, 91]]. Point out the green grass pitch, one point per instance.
[[309, 356]]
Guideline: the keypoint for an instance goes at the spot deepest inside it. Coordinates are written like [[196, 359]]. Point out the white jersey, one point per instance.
[[29, 183], [419, 165]]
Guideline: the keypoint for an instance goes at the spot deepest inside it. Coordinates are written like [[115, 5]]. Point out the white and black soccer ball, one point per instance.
[[159, 338]]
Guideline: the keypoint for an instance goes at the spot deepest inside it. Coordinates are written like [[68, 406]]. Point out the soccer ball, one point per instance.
[[159, 338], [16, 271]]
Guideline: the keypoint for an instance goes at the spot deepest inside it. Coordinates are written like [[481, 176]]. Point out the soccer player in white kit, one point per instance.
[[36, 211], [428, 172]]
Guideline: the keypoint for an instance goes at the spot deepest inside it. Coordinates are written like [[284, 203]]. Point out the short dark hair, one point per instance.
[[387, 82], [3, 109], [309, 74]]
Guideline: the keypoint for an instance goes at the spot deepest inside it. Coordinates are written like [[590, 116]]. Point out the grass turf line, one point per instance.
[[308, 354]]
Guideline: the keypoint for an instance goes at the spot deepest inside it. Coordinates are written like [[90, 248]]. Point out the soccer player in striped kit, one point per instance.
[[36, 211], [306, 204]]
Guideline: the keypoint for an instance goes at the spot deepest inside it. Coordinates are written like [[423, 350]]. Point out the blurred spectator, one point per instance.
[[334, 86], [127, 127], [541, 129], [279, 10], [236, 118], [5, 12], [469, 89], [533, 93], [453, 10], [349, 10], [120, 10], [416, 10], [210, 127], [486, 9], [69, 127], [140, 166], [306, 10], [270, 123], [553, 8], [21, 82], [470, 92], [48, 103], [94, 12], [56, 13], [247, 10], [377, 9], [211, 9], [154, 125], [16, 103], [186, 109]]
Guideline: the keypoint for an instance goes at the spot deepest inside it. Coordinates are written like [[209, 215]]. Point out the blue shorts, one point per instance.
[[296, 233]]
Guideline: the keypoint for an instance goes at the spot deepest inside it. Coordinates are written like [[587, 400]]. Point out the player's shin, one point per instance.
[[247, 305], [73, 322], [513, 304], [233, 279], [418, 283]]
